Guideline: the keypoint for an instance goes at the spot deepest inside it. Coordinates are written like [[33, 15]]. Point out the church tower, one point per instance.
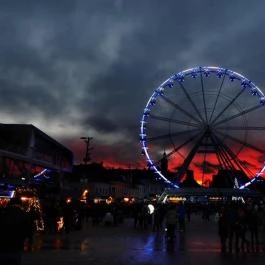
[[164, 164]]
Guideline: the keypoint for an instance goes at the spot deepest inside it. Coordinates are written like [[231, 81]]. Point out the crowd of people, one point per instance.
[[239, 225], [171, 215]]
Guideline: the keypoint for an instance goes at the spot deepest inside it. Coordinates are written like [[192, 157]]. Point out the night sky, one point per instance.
[[87, 68]]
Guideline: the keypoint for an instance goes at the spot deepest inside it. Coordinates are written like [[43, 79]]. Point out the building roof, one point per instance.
[[25, 142], [29, 128]]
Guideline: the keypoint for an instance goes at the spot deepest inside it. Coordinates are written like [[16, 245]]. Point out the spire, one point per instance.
[[164, 164]]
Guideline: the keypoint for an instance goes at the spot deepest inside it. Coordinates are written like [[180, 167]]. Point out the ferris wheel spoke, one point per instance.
[[190, 100], [204, 167], [220, 150], [221, 162], [176, 106], [241, 165], [242, 113], [238, 162], [203, 96], [221, 159], [241, 128], [228, 105], [183, 168], [165, 136], [224, 166], [224, 158], [176, 149], [217, 97], [160, 118], [242, 142], [232, 155]]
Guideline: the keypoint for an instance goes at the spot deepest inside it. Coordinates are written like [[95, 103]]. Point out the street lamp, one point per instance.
[[88, 148]]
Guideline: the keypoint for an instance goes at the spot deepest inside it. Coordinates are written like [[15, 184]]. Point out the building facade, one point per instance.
[[25, 150], [116, 183]]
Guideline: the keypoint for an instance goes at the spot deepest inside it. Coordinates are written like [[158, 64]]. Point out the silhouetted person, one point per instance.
[[171, 222], [253, 223], [108, 219], [240, 230], [13, 230], [146, 216], [223, 228], [206, 213], [158, 218], [68, 217], [232, 219], [188, 212], [32, 217], [181, 217], [51, 214], [137, 215]]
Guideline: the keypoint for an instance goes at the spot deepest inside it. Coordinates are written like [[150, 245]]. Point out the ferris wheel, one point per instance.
[[208, 120]]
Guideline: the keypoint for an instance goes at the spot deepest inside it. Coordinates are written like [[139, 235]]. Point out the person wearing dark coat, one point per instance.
[[223, 228], [13, 231], [240, 230]]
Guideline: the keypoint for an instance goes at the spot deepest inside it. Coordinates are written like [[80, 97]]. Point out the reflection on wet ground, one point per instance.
[[127, 245]]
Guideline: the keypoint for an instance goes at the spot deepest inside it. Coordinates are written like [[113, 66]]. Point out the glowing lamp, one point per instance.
[[151, 208], [126, 199]]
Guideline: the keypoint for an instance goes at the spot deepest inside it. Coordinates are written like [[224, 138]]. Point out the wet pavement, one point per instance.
[[125, 245]]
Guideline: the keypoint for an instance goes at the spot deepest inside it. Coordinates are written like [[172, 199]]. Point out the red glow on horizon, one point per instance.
[[111, 156], [250, 157], [117, 157]]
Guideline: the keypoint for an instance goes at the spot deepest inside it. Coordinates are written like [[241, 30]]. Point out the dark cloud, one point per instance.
[[89, 67]]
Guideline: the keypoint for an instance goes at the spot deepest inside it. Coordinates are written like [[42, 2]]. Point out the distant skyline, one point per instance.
[[87, 68]]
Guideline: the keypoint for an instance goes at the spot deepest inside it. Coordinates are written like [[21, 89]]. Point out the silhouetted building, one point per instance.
[[164, 165], [229, 179], [117, 183], [189, 181]]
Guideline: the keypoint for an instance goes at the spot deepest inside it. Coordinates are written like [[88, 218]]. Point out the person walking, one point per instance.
[[254, 227], [181, 211], [171, 222], [223, 228], [241, 243]]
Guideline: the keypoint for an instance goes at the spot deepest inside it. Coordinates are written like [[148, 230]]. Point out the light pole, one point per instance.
[[88, 148]]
